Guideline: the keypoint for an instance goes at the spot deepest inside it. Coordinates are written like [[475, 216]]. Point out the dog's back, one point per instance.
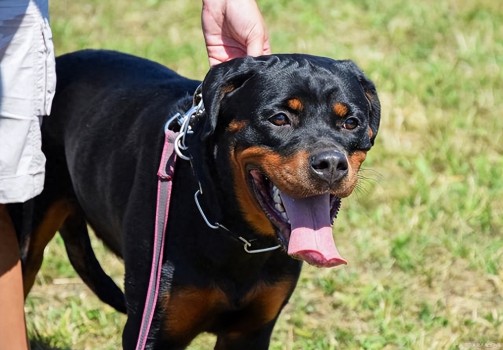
[[92, 84], [94, 97], [280, 143]]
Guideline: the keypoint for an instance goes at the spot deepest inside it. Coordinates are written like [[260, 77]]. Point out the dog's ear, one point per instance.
[[375, 106], [370, 92], [220, 83]]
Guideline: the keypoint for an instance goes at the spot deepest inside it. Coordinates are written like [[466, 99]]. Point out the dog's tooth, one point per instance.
[[284, 216], [276, 197], [279, 207]]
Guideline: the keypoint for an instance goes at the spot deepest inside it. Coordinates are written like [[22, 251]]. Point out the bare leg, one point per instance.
[[12, 323]]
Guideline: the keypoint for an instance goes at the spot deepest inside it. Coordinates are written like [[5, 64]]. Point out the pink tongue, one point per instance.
[[311, 238]]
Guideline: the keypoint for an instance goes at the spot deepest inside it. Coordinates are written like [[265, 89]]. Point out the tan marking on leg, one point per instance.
[[263, 304], [267, 300], [189, 309], [53, 219]]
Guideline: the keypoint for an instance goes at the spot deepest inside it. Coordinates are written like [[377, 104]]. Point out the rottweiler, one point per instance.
[[279, 142]]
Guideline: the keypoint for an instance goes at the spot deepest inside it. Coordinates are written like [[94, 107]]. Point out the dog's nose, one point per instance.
[[329, 165]]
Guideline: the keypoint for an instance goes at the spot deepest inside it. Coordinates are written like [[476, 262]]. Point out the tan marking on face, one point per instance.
[[370, 133], [340, 109], [53, 219], [236, 125], [248, 205], [289, 174], [295, 104], [347, 186], [356, 159]]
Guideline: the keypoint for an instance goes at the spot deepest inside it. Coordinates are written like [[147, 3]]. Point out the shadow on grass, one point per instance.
[[45, 344]]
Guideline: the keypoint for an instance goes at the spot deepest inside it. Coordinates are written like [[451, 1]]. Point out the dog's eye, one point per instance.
[[280, 119], [351, 123]]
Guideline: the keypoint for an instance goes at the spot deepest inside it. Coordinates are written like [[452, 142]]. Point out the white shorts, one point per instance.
[[27, 84]]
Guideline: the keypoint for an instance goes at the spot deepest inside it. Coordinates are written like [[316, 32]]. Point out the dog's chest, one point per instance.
[[189, 311]]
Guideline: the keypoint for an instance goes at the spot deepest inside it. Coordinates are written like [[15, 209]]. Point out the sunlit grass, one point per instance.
[[424, 231]]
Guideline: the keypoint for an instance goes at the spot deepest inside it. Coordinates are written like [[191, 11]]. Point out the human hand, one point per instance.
[[233, 28]]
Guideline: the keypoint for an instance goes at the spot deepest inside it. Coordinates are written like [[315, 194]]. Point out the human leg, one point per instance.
[[12, 325], [27, 81]]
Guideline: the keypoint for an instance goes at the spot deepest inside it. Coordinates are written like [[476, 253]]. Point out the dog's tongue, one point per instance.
[[311, 238]]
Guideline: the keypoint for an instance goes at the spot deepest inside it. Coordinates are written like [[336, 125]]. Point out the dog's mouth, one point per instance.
[[304, 225]]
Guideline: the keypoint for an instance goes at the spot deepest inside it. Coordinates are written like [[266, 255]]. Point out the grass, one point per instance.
[[424, 231]]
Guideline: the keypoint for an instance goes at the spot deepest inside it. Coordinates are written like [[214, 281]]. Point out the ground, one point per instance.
[[423, 233]]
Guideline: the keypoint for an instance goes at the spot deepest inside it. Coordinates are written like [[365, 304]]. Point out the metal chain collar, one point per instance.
[[184, 121]]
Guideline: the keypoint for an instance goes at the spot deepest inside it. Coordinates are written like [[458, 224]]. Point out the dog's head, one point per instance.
[[283, 140]]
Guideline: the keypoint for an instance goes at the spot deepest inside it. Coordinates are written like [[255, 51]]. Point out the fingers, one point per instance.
[[257, 40], [233, 28], [258, 47]]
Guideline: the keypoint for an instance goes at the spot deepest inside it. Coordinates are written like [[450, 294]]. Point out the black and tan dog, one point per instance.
[[281, 141]]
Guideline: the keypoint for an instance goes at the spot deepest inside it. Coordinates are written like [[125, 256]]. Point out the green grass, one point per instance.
[[424, 231]]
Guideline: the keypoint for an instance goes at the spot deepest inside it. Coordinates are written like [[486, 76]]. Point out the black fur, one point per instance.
[[103, 143]]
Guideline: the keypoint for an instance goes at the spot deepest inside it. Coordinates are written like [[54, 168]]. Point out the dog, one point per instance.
[[279, 142]]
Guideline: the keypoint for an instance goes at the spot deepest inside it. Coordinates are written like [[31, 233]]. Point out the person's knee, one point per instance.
[[9, 252]]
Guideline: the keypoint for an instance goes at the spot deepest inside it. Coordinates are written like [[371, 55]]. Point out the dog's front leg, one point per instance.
[[137, 248], [257, 340]]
